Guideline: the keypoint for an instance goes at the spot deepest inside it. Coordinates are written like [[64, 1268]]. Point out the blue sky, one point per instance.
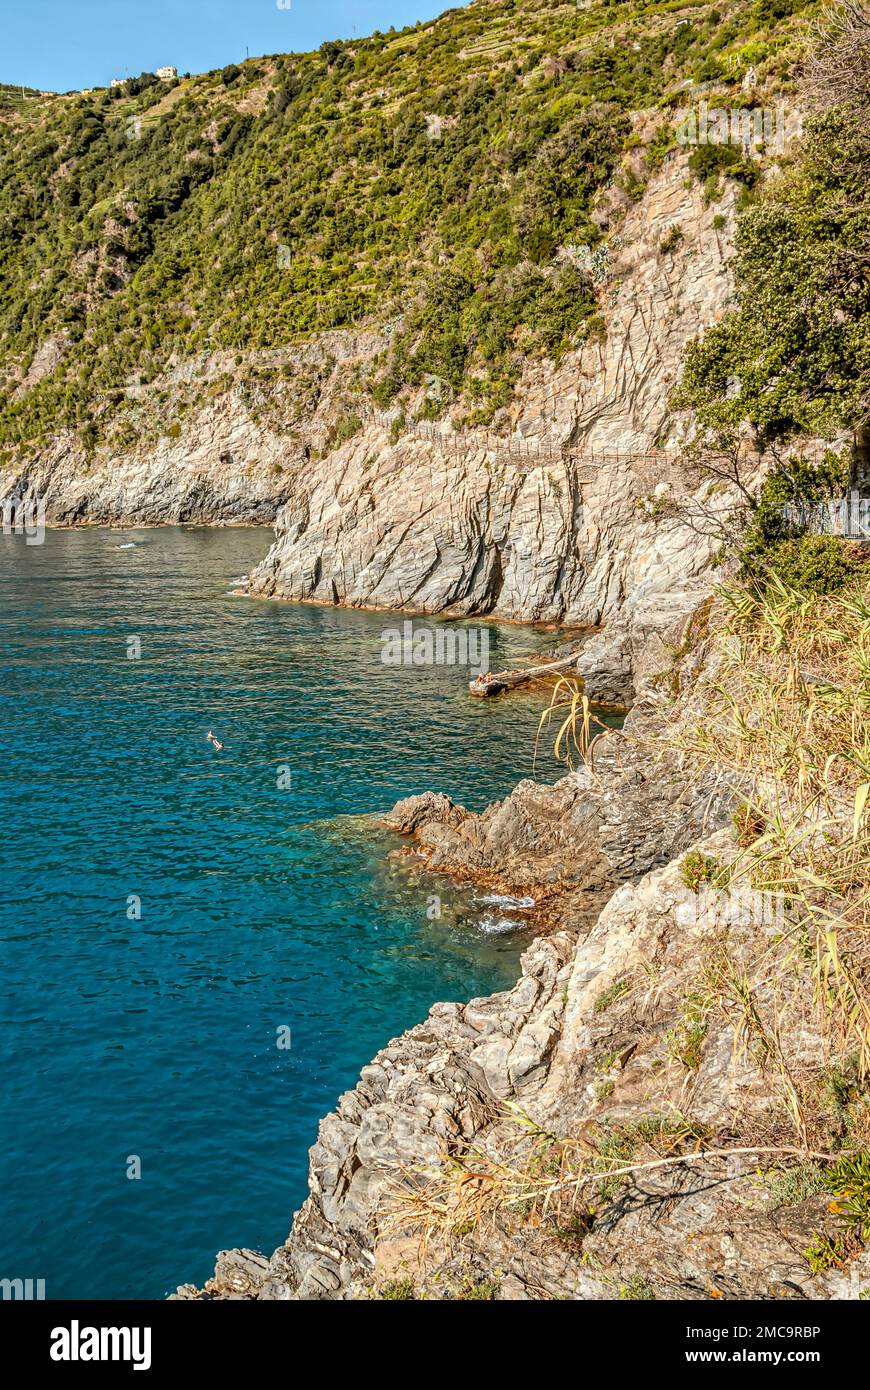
[[60, 44]]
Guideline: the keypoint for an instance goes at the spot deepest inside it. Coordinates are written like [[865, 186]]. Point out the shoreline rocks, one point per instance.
[[594, 834]]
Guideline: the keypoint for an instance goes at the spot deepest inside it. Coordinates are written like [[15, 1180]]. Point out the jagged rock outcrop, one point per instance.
[[444, 1082], [567, 846], [556, 1048], [408, 522], [224, 470], [645, 643], [611, 820], [439, 1082], [632, 1037]]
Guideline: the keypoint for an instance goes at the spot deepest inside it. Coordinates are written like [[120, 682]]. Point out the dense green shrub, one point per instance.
[[344, 429], [796, 480], [773, 546], [795, 355], [697, 868], [713, 159], [817, 564]]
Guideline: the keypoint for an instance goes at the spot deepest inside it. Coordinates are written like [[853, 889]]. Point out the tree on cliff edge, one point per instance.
[[794, 357]]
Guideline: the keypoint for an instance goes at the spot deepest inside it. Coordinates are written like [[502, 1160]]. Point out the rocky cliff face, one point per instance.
[[511, 527], [626, 1040], [466, 527], [215, 440]]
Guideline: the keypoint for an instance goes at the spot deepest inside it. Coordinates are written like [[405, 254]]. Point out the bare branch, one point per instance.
[[837, 70], [669, 1162]]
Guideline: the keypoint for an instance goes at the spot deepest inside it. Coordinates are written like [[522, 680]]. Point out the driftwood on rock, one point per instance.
[[497, 684]]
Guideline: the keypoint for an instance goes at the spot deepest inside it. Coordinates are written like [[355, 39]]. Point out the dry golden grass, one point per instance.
[[577, 728], [560, 1183], [784, 720], [787, 724]]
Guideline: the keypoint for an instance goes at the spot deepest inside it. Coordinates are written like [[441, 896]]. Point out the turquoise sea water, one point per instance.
[[262, 908]]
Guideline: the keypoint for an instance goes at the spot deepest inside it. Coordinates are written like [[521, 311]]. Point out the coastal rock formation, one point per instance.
[[593, 1039], [444, 1083], [564, 516], [230, 472], [169, 485], [631, 1044], [205, 444], [440, 1081], [627, 810], [450, 523], [462, 525], [647, 642], [569, 845]]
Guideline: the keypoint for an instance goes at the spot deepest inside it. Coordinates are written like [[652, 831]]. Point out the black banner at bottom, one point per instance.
[[158, 1338]]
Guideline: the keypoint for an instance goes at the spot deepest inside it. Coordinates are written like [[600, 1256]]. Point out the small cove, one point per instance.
[[262, 907]]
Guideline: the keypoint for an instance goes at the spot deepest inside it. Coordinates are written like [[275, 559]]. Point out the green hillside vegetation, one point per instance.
[[795, 356], [255, 206], [12, 96]]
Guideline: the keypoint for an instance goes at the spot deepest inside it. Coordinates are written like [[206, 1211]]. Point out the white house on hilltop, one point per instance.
[[167, 74]]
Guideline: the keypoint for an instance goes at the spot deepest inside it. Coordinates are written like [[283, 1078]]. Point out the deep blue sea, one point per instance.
[[154, 1037]]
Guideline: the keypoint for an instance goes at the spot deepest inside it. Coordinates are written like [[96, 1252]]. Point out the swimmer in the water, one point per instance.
[[215, 742]]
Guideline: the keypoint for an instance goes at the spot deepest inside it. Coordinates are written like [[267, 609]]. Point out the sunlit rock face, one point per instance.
[[471, 526]]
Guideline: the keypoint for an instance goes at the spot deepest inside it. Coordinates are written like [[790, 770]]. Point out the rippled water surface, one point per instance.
[[262, 908]]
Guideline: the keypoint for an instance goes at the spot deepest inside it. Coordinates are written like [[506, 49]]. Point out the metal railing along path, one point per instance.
[[838, 516]]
